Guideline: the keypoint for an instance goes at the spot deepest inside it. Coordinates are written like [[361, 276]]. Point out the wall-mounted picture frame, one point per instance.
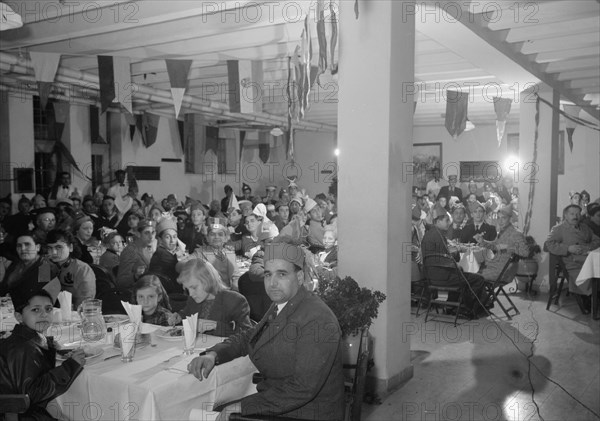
[[426, 157], [24, 181]]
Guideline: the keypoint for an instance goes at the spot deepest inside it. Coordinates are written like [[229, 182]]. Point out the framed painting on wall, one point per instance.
[[426, 157], [23, 178]]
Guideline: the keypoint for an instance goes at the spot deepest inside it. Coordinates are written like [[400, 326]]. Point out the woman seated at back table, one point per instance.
[[164, 260], [221, 312]]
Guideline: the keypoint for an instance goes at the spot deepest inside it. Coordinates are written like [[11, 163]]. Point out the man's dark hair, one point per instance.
[[64, 173], [228, 188], [571, 206], [55, 236], [593, 209], [440, 217], [39, 293]]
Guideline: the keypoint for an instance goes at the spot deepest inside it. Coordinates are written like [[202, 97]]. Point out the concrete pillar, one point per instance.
[[375, 143], [16, 140], [543, 174]]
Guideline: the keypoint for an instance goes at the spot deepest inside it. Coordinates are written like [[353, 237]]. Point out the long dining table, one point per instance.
[[154, 386], [590, 272]]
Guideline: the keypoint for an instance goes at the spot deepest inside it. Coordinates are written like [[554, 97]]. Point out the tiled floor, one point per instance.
[[474, 372]]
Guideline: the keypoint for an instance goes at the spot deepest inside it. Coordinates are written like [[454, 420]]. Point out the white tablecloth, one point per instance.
[[590, 268], [472, 259], [144, 390]]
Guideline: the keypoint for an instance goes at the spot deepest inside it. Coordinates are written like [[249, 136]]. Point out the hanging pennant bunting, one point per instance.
[[147, 125], [334, 38], [264, 149], [61, 111], [95, 133], [178, 71], [242, 137], [290, 119], [456, 112], [132, 122], [356, 8], [63, 152], [245, 79], [114, 74], [502, 108], [45, 66], [304, 80], [572, 111]]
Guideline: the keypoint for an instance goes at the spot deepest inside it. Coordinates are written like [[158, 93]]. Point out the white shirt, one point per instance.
[[435, 186]]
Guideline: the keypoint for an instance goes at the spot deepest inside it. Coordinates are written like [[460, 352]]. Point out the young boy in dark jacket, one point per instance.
[[28, 358]]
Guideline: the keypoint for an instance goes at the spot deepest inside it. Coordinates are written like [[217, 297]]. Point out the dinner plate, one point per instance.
[[167, 335], [89, 354]]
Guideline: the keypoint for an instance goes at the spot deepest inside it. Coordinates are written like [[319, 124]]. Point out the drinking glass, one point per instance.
[[127, 333]]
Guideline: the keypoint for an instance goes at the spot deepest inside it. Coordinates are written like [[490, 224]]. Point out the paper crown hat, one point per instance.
[[284, 251], [145, 223], [217, 224], [309, 204], [165, 224], [246, 187], [271, 187], [233, 203]]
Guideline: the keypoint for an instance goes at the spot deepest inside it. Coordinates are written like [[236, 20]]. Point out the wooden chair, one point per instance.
[[419, 293], [441, 296], [555, 287], [496, 288], [13, 405], [107, 291]]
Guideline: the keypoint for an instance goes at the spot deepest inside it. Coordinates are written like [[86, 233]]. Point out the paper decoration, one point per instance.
[[114, 74], [245, 78], [147, 125], [321, 37], [242, 135], [45, 66], [456, 112], [212, 139], [502, 108], [178, 71], [233, 203], [304, 74], [131, 121], [572, 111], [334, 38], [181, 131]]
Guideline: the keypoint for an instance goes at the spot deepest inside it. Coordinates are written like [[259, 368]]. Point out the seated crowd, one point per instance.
[[175, 260], [446, 220]]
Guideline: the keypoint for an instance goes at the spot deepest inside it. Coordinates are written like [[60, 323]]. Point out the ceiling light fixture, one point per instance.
[[10, 18], [276, 131]]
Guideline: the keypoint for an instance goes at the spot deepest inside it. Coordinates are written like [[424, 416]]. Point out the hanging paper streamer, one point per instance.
[[132, 122], [356, 8], [45, 66], [572, 111], [529, 212], [502, 108], [456, 112], [264, 148], [321, 37], [242, 135], [178, 71], [334, 38]]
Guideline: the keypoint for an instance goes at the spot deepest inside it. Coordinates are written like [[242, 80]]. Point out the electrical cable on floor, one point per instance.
[[531, 352], [492, 318]]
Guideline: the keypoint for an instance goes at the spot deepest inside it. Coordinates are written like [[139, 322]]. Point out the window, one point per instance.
[[480, 171], [43, 120], [226, 153]]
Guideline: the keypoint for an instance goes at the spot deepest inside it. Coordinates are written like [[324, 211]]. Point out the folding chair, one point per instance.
[[355, 390], [433, 292], [496, 287], [13, 405]]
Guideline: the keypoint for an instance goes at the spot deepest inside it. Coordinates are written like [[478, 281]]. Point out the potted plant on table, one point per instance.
[[355, 308]]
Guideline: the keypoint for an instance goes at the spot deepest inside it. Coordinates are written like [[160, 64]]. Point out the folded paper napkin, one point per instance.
[[134, 312], [190, 324], [127, 332], [65, 298]]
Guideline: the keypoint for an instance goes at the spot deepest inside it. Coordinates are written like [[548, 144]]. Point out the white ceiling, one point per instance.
[[488, 49]]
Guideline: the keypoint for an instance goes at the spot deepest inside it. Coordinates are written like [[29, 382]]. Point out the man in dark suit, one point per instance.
[[451, 190], [478, 226], [296, 347]]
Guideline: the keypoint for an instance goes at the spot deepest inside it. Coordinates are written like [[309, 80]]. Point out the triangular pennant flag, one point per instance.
[[95, 135], [233, 203], [290, 144], [106, 76], [139, 126], [178, 71], [264, 149], [415, 107], [502, 108], [58, 129], [181, 131], [572, 111], [44, 65], [64, 152], [150, 126], [456, 112], [132, 122], [242, 138], [123, 85], [44, 89], [212, 139], [61, 111]]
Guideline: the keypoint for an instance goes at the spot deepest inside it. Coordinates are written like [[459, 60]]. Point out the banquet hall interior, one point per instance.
[[360, 99]]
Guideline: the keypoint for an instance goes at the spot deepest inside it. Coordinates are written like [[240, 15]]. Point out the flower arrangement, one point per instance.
[[354, 307], [534, 247]]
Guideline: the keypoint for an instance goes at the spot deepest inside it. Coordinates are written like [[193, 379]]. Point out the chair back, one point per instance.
[[561, 268], [509, 271], [12, 405], [105, 281]]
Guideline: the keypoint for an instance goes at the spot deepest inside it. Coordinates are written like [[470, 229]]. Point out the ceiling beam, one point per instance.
[[479, 26]]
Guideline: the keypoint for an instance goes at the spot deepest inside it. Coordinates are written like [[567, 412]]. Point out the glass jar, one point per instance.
[[93, 327]]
